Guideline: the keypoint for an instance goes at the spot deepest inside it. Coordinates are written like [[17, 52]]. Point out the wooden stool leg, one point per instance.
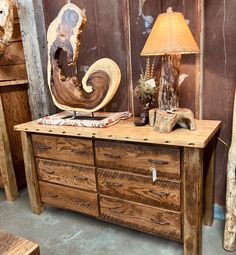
[[6, 165], [192, 181], [31, 174]]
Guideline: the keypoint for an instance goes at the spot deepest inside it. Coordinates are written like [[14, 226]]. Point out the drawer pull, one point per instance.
[[44, 147], [81, 178], [161, 194], [50, 172], [114, 184], [83, 203], [48, 194], [160, 162], [80, 152], [112, 156], [116, 210], [160, 222]]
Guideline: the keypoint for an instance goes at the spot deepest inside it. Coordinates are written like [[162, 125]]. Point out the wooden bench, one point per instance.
[[14, 245]]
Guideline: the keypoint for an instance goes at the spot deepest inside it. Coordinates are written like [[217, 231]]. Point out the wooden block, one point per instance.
[[14, 245], [139, 158], [141, 189], [69, 198], [143, 218], [81, 177], [73, 150]]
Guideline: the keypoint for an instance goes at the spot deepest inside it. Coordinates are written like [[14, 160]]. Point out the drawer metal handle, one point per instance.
[[80, 178], [160, 222], [44, 147], [112, 156], [114, 184], [116, 210], [50, 172], [160, 193], [48, 194], [77, 151], [83, 203], [160, 162]]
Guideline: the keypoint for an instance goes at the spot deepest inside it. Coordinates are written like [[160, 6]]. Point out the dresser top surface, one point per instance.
[[126, 131]]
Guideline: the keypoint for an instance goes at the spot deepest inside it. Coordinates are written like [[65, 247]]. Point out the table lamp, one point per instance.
[[170, 37]]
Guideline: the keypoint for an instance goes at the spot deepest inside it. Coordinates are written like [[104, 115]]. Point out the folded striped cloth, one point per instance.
[[108, 121]]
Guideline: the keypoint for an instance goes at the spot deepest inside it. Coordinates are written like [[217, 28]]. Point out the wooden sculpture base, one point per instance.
[[164, 121]]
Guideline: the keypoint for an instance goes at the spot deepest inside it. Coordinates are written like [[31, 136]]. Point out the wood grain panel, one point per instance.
[[139, 189], [16, 110], [14, 55], [13, 72], [143, 218], [139, 159], [14, 245], [71, 175], [66, 149], [68, 198]]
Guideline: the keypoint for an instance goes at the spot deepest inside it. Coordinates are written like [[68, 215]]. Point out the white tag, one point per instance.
[[151, 83], [154, 174]]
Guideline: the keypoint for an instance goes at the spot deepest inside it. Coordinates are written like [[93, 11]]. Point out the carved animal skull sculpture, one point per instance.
[[101, 80], [6, 24]]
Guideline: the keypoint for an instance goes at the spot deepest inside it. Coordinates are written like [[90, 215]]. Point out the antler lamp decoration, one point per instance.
[[170, 37], [101, 81], [6, 24]]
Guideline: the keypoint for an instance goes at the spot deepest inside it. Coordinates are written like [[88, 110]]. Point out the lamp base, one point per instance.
[[165, 121]]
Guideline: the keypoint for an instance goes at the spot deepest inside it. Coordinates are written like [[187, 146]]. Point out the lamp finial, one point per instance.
[[169, 9]]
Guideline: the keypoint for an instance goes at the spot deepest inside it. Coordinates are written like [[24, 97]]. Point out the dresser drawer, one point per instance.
[[144, 218], [139, 188], [139, 158], [81, 177], [63, 148], [69, 198]]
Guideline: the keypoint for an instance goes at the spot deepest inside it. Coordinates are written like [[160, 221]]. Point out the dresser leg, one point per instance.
[[209, 190], [192, 200], [6, 165], [31, 173]]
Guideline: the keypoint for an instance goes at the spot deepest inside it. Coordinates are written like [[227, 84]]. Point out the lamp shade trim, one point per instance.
[[170, 35]]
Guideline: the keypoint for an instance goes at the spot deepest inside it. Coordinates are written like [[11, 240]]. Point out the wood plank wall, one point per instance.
[[13, 91], [107, 35], [220, 79]]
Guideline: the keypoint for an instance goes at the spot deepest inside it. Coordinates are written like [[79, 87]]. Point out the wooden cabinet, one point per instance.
[[107, 173]]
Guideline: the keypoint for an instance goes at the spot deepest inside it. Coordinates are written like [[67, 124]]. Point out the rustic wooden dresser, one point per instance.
[[107, 173]]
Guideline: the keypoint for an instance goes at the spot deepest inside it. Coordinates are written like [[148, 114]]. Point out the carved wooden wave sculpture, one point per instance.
[[6, 24], [101, 81]]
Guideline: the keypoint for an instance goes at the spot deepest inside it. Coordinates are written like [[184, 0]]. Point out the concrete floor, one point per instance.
[[63, 232]]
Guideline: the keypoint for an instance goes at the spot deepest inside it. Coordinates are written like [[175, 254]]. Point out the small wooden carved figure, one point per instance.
[[100, 82]]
